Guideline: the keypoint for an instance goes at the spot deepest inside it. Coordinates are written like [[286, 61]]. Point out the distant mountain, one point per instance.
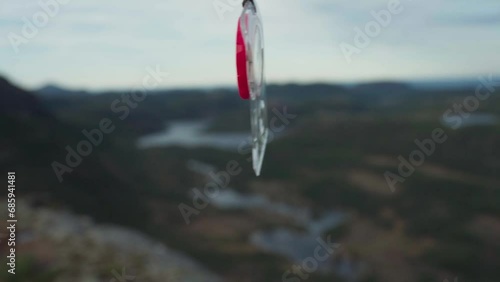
[[307, 91], [381, 88], [52, 90], [445, 84]]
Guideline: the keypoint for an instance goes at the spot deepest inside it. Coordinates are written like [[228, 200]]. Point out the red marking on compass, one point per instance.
[[241, 64]]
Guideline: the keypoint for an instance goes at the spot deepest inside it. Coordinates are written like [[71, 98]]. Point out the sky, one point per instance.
[[97, 45]]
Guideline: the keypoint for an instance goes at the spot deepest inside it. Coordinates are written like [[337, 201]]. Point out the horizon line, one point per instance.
[[457, 80]]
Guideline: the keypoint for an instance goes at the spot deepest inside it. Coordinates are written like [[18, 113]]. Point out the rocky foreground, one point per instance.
[[56, 245]]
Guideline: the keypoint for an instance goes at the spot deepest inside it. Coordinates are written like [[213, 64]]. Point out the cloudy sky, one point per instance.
[[97, 44]]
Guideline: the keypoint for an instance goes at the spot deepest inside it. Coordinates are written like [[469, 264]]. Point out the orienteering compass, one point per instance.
[[251, 81]]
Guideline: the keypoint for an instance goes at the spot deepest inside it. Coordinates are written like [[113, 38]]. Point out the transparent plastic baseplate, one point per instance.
[[251, 27]]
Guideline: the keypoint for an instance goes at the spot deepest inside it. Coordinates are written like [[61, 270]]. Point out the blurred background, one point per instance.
[[132, 152]]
